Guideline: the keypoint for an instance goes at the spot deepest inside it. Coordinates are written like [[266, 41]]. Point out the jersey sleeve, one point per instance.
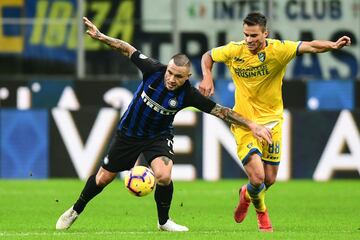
[[145, 64], [223, 53], [287, 50], [194, 98]]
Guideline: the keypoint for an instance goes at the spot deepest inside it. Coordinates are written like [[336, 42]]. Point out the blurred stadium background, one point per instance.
[[61, 93]]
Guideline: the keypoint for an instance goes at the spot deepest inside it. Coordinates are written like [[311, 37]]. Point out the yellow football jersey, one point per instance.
[[257, 77]]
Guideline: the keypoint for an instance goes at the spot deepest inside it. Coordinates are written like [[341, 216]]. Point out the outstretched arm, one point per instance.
[[206, 86], [124, 47], [230, 116], [319, 46]]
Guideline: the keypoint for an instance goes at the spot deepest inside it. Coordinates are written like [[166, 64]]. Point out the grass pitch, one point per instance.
[[298, 210]]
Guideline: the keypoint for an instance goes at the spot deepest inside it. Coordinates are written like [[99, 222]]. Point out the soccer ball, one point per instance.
[[140, 181]]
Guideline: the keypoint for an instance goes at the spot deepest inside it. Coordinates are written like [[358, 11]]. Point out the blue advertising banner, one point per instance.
[[322, 145], [70, 138], [24, 144], [330, 95]]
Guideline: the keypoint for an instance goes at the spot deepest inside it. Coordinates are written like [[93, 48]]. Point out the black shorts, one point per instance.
[[124, 151]]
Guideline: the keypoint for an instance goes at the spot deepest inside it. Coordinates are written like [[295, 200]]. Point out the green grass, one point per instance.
[[298, 209]]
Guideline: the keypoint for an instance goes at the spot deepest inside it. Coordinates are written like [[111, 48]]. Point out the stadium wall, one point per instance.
[[57, 129], [39, 37]]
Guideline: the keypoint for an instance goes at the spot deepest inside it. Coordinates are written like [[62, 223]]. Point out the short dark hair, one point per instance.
[[255, 18], [181, 60]]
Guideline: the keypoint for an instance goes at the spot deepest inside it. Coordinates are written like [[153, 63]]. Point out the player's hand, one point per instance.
[[342, 42], [206, 86], [261, 133], [92, 31]]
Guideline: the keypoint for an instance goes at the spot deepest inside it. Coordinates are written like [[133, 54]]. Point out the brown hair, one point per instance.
[[256, 18]]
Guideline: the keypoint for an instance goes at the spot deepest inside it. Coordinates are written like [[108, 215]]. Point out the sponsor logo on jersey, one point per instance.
[[251, 72], [155, 106]]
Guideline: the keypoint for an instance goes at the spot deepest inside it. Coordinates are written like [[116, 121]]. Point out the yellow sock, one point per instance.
[[257, 196]]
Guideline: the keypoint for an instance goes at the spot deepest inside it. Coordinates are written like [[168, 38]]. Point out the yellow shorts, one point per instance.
[[247, 144]]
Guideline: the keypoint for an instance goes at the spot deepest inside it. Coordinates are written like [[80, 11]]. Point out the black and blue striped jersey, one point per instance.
[[153, 107]]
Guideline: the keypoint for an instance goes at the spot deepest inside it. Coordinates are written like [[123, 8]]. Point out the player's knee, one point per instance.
[[163, 178], [103, 180], [257, 179], [269, 182]]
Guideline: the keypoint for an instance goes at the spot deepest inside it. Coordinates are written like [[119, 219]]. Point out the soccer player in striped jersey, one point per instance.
[[257, 66], [146, 127]]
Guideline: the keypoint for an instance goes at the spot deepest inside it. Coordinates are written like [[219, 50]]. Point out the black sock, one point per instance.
[[89, 192], [163, 197], [267, 186]]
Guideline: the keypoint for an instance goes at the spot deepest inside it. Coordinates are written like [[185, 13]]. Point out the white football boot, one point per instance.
[[171, 226], [66, 219]]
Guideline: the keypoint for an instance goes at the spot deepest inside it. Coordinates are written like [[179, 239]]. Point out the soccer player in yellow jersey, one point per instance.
[[257, 66]]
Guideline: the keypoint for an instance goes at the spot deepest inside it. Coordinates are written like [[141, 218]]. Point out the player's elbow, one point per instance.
[[207, 56]]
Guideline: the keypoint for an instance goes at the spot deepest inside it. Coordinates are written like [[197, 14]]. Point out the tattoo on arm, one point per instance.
[[229, 115], [166, 160], [98, 34], [124, 47]]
